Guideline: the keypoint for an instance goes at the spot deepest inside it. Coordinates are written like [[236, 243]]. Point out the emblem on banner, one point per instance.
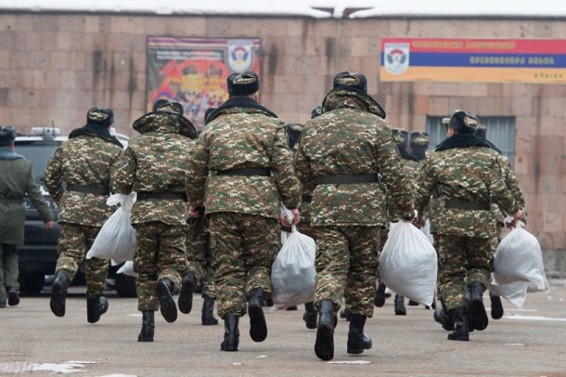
[[396, 57], [240, 55]]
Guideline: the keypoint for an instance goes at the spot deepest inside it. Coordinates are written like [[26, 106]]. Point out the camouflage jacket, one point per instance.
[[512, 184], [350, 139], [156, 162], [86, 159], [243, 134], [412, 168], [468, 174]]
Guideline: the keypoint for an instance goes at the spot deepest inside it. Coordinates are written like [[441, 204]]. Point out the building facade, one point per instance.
[[55, 66]]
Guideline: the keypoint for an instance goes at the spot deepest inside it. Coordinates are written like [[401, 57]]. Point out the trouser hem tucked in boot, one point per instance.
[[59, 292], [324, 344], [148, 326], [357, 340], [166, 303], [258, 326]]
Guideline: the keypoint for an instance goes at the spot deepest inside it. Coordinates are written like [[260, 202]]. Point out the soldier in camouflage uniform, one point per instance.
[[16, 180], [78, 178], [242, 165], [154, 166], [466, 179], [339, 158]]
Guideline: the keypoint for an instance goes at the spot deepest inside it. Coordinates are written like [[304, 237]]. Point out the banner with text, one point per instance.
[[193, 71], [473, 60]]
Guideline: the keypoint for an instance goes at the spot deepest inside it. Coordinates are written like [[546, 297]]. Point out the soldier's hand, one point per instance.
[[194, 212], [420, 222], [284, 221], [296, 216], [516, 217], [49, 224]]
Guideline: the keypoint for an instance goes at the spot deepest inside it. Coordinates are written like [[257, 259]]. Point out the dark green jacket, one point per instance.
[[16, 179]]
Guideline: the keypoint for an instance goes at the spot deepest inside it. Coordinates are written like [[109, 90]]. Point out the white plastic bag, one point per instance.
[[293, 272], [408, 263], [518, 267], [127, 269], [117, 238], [519, 258]]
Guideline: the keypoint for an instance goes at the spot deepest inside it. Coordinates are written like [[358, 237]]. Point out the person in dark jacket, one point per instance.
[[16, 180]]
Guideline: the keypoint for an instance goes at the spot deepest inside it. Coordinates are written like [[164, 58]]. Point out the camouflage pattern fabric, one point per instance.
[[74, 243], [243, 137], [160, 254], [470, 174], [350, 138], [243, 249], [462, 260], [198, 254], [156, 161], [84, 160], [349, 141], [346, 267]]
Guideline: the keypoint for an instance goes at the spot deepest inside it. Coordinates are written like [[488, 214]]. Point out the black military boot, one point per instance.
[[459, 317], [13, 296], [166, 303], [379, 300], [496, 306], [324, 344], [478, 315], [148, 326], [59, 292], [258, 326], [95, 307], [345, 313], [400, 305], [357, 340], [186, 296], [208, 311], [309, 316], [441, 316], [231, 333]]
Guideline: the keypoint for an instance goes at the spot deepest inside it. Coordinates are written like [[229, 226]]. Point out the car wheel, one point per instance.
[[125, 285], [31, 284]]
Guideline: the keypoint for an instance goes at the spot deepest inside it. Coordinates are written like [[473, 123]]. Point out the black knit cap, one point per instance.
[[351, 80], [100, 116], [7, 135], [463, 121], [242, 84]]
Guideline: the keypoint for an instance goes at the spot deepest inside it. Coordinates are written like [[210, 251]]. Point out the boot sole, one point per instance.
[[258, 326], [478, 315], [57, 302], [228, 348], [463, 339], [186, 296], [167, 305], [496, 307], [324, 344], [13, 298]]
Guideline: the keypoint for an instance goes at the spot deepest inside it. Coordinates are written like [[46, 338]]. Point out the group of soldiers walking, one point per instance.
[[208, 208]]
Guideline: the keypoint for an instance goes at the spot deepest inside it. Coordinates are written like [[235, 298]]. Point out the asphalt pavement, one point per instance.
[[33, 342]]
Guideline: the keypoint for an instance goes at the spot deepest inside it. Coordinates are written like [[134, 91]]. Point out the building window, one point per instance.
[[500, 131]]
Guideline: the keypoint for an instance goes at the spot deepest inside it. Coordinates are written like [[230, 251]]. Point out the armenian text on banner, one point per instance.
[[536, 61], [193, 71]]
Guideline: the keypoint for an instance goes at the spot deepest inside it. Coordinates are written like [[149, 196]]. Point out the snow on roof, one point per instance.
[[303, 8]]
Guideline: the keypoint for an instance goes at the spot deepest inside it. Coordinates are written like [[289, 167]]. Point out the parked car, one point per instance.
[[38, 254]]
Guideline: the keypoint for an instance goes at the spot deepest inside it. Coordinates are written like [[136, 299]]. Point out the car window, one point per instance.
[[39, 153]]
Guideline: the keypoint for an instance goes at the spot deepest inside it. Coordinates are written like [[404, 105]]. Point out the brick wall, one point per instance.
[[53, 67]]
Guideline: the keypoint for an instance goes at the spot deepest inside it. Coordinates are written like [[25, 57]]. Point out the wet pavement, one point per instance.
[[33, 342]]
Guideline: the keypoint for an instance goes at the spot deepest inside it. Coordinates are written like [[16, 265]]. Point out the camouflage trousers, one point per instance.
[[243, 249], [199, 260], [346, 265], [8, 268], [461, 260], [160, 254], [74, 242]]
